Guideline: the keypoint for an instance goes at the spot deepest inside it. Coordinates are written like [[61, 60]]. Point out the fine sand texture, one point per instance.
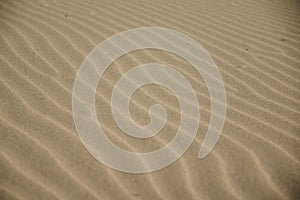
[[256, 46]]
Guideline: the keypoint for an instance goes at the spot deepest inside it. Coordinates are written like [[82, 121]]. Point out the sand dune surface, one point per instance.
[[256, 46]]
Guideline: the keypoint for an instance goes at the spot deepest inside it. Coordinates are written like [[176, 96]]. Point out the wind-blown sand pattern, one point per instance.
[[256, 46]]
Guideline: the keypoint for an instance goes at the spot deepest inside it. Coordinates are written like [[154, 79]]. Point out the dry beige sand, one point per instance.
[[256, 46]]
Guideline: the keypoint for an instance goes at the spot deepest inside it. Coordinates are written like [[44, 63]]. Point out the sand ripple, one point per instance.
[[256, 45]]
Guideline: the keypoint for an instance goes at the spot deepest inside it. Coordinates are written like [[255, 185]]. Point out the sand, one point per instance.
[[256, 46]]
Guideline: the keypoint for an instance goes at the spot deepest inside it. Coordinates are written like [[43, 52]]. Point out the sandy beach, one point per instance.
[[256, 47]]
